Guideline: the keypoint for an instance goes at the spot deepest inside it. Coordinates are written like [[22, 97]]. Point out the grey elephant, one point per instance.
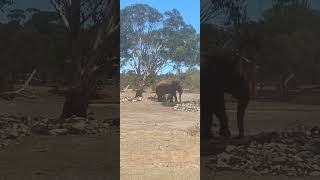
[[168, 87]]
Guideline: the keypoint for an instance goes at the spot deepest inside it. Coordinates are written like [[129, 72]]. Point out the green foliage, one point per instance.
[[128, 78], [291, 42], [284, 41], [41, 41], [32, 43], [150, 40], [191, 79]]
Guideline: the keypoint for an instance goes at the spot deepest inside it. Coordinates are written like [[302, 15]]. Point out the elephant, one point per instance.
[[219, 74], [168, 87], [169, 97]]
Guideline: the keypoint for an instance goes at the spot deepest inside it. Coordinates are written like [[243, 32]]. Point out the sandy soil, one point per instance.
[[158, 142]]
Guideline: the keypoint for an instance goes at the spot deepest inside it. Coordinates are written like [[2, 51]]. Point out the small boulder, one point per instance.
[[56, 132]]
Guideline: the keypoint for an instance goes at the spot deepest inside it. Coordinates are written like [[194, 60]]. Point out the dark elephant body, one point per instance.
[[168, 87], [219, 75]]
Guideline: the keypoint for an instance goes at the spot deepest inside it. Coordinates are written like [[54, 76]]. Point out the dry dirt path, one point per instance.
[[274, 116], [156, 143]]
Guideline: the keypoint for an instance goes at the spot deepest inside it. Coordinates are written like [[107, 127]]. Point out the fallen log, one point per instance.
[[20, 92]]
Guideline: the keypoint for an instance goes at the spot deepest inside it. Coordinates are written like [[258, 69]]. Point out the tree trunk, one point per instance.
[[139, 93], [76, 103], [142, 85], [76, 98]]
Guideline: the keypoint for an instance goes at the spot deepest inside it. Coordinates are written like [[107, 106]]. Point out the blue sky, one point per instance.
[[189, 9]]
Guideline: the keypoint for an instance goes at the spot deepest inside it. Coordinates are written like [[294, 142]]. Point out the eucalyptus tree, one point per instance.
[[151, 41], [88, 57]]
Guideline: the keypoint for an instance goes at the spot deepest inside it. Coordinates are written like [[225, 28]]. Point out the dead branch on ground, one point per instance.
[[20, 92]]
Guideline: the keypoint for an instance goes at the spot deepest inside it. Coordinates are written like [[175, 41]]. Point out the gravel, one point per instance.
[[13, 128], [189, 106], [288, 153]]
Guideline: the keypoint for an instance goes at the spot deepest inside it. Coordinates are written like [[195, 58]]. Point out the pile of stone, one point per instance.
[[288, 153], [73, 125], [125, 99], [13, 127], [190, 106]]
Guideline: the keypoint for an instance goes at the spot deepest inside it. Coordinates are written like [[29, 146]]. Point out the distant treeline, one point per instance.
[[38, 39], [189, 79]]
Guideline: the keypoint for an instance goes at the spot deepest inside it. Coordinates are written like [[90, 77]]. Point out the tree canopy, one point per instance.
[[151, 40], [283, 42]]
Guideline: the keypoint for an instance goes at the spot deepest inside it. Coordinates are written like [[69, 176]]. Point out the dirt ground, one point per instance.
[[157, 142], [81, 157]]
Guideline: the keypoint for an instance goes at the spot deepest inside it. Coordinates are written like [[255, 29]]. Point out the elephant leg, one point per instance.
[[160, 97], [168, 98], [220, 112], [175, 96], [242, 105], [171, 97], [206, 115]]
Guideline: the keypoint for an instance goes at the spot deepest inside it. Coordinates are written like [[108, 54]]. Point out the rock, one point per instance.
[[78, 127], [289, 153], [192, 106], [315, 173], [224, 157], [279, 160], [297, 158], [305, 154], [106, 125], [23, 129], [75, 119], [230, 148], [40, 129], [222, 164], [13, 133], [316, 167], [316, 158], [264, 171], [14, 127], [58, 132]]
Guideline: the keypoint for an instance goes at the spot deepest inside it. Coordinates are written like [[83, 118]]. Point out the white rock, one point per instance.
[[58, 131], [315, 173]]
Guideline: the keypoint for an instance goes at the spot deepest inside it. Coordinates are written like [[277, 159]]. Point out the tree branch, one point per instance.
[[58, 6], [12, 94]]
